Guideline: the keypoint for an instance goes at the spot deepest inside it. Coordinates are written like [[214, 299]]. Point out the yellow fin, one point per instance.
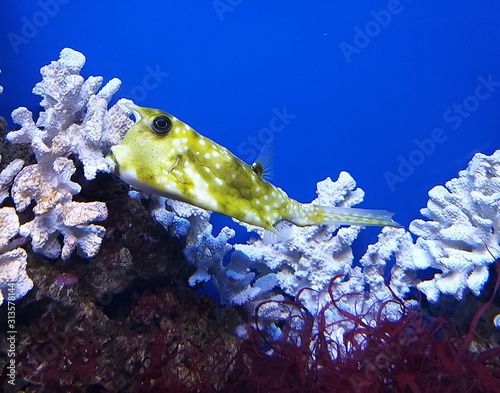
[[353, 216]]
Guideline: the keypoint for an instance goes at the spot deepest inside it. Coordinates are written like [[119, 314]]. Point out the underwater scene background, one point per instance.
[[356, 102], [400, 94]]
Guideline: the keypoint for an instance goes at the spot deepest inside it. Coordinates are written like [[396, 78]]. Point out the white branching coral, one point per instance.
[[236, 283], [459, 240], [391, 242], [311, 256], [7, 177], [462, 236], [75, 123], [75, 119], [14, 282]]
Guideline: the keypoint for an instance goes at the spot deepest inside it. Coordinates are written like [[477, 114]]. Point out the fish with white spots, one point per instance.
[[163, 155]]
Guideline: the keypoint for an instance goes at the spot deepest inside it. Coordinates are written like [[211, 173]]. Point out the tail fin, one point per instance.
[[353, 216], [329, 215]]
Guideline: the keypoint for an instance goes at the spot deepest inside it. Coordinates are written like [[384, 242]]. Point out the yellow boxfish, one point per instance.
[[165, 156]]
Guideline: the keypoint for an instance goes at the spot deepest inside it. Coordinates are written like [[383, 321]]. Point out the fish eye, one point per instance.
[[161, 124]]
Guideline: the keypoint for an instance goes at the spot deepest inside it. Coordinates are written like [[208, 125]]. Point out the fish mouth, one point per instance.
[[111, 161]]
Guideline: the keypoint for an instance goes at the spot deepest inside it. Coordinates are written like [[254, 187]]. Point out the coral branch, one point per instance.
[[75, 123]]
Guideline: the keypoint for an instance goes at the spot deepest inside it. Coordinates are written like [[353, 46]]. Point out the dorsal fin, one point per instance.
[[263, 165]]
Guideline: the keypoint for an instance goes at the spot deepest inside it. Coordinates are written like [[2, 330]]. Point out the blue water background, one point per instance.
[[363, 80]]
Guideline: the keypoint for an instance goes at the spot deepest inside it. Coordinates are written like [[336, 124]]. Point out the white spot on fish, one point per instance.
[[249, 215], [207, 155], [201, 142], [189, 172]]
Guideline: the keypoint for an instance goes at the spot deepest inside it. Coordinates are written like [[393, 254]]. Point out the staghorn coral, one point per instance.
[[75, 122]]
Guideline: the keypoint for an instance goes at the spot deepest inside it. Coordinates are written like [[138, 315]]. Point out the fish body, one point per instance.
[[165, 156]]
